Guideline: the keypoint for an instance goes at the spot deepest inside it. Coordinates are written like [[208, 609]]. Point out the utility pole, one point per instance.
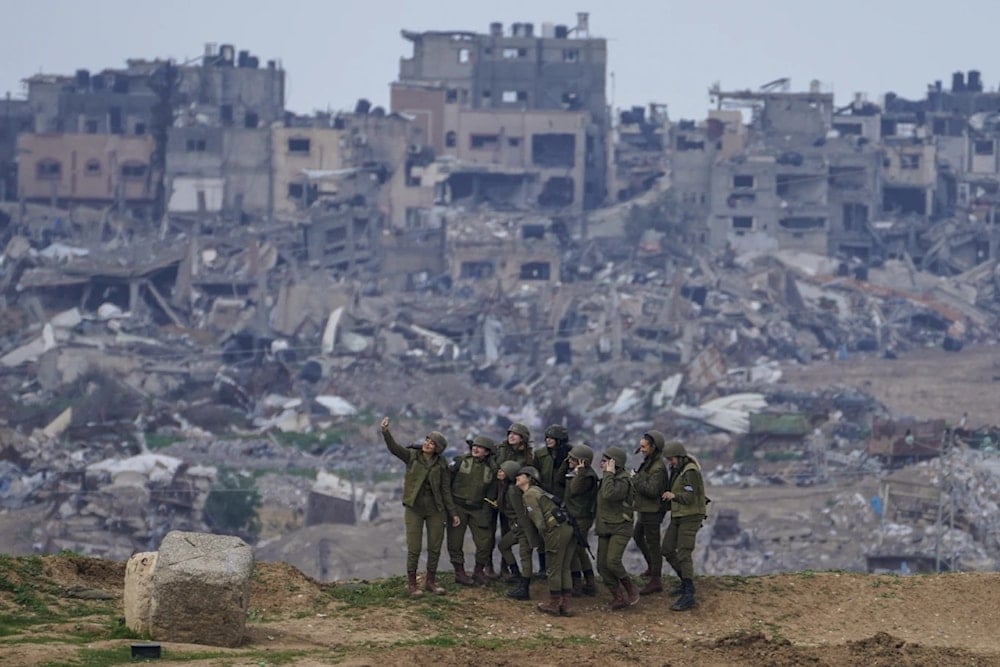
[[946, 501]]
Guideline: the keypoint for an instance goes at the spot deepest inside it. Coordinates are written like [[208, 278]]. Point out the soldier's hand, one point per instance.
[[455, 521], [385, 423]]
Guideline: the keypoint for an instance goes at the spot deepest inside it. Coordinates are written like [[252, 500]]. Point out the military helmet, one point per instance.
[[582, 453], [618, 454], [557, 432], [484, 442], [532, 472], [510, 469], [674, 448], [520, 429], [440, 442]]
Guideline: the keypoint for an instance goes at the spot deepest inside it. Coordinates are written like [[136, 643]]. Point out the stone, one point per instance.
[[201, 589], [139, 591]]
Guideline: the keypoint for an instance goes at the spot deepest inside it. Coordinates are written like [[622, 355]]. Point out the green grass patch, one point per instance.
[[384, 592], [162, 440]]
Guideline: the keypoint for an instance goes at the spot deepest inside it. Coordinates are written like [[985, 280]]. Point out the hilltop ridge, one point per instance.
[[52, 612]]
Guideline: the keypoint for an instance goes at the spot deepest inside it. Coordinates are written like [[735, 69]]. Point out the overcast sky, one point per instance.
[[665, 51]]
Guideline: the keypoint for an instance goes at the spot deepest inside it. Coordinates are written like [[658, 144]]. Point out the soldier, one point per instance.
[[521, 532], [615, 498], [550, 460], [688, 506], [581, 500], [474, 488], [553, 523], [516, 446], [650, 480], [428, 502]]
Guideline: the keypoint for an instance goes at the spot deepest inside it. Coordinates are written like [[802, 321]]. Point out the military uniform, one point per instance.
[[613, 525], [523, 457], [428, 502], [473, 482], [650, 482], [541, 510], [551, 462], [687, 512], [581, 500]]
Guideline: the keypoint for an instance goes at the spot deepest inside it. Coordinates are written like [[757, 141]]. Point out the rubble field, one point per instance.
[[924, 383], [792, 619]]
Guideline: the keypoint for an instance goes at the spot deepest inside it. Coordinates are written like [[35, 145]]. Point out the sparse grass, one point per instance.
[[162, 440], [735, 582], [384, 592]]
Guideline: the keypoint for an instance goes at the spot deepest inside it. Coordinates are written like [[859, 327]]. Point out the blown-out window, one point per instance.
[[48, 169]]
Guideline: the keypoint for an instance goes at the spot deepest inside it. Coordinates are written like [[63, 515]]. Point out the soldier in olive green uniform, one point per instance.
[[615, 499], [581, 499], [428, 502], [474, 488], [515, 447], [552, 522], [550, 460], [688, 506], [520, 532], [650, 480]]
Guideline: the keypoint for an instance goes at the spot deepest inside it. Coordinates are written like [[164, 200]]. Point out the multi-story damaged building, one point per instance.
[[336, 175], [521, 116], [208, 120], [225, 87], [806, 176]]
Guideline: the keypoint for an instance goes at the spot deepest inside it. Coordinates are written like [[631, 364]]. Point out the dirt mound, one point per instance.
[[787, 620]]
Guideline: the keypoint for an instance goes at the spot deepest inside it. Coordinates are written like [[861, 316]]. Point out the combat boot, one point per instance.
[[430, 583], [491, 574], [553, 605], [479, 575], [564, 609], [686, 600], [589, 584], [521, 589], [577, 589], [411, 584], [618, 600], [631, 591], [515, 574], [460, 576], [541, 573], [654, 585], [678, 589], [646, 572]]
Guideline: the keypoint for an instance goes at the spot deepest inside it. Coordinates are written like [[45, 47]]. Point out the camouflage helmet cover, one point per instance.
[[557, 432]]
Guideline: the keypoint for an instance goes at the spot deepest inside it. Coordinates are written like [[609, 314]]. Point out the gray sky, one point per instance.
[[659, 50]]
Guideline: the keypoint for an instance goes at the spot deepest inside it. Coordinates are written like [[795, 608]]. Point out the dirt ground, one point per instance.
[[927, 383], [794, 619]]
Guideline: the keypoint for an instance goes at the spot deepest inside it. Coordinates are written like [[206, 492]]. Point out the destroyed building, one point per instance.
[[194, 113], [494, 95]]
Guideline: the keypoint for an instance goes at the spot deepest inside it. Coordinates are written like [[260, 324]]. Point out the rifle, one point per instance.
[[563, 515]]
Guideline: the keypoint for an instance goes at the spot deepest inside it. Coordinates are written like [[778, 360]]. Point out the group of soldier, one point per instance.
[[546, 500]]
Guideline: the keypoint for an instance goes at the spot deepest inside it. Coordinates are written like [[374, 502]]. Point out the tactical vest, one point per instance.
[[677, 484]]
